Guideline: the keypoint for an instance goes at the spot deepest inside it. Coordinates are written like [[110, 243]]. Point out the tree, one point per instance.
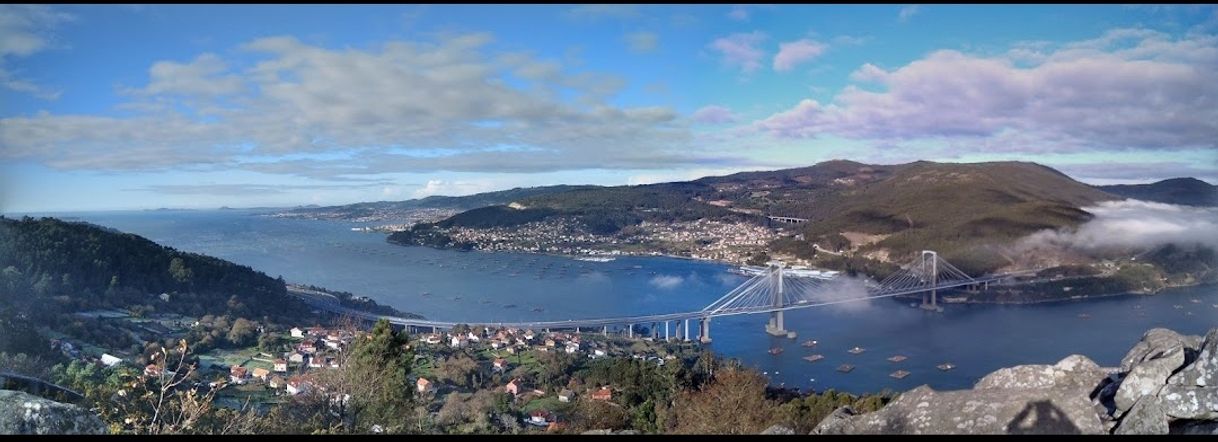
[[733, 402], [375, 375], [179, 271], [242, 332]]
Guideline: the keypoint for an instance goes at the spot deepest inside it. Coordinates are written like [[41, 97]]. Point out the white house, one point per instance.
[[297, 332], [110, 361]]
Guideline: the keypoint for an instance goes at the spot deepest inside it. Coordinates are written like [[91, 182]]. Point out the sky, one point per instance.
[[106, 107]]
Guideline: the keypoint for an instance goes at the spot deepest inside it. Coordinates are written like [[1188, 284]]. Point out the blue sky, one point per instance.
[[130, 107]]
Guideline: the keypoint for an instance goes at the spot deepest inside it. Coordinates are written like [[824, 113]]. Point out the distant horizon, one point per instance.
[[293, 206], [199, 106]]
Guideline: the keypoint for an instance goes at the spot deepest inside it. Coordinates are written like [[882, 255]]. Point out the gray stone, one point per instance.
[[23, 413], [1189, 402], [1146, 377], [1154, 344], [778, 429], [1145, 417], [978, 411], [835, 421], [1075, 372], [1202, 372]]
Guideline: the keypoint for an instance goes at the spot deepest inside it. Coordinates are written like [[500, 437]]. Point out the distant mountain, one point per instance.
[[889, 212], [360, 210], [1185, 191]]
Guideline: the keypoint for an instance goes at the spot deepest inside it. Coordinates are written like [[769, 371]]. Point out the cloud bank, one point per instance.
[[1133, 224], [666, 282]]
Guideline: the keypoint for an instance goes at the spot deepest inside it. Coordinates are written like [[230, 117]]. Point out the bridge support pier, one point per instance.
[[704, 336], [605, 331], [665, 331], [686, 330], [630, 331]]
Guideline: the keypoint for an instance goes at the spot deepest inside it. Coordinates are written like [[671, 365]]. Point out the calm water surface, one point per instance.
[[475, 286]]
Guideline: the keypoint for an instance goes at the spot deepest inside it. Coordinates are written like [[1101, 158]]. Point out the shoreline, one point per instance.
[[731, 265]]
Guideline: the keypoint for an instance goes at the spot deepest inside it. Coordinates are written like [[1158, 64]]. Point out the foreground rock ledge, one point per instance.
[[1164, 385], [23, 413]]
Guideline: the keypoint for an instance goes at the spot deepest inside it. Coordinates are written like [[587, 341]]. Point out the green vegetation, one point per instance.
[[1186, 191]]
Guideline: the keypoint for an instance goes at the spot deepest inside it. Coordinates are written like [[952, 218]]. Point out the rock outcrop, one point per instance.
[[24, 413], [1165, 384]]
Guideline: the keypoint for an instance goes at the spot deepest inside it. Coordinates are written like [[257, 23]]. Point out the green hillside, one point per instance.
[[48, 266], [1186, 191]]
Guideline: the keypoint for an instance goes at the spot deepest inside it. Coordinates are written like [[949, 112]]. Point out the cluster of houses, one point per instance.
[[512, 340]]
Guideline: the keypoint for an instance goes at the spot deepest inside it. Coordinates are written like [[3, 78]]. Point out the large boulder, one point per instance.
[[23, 413], [1155, 343], [1029, 399], [1075, 372], [1145, 417], [1147, 376], [1189, 402], [1203, 370], [778, 429]]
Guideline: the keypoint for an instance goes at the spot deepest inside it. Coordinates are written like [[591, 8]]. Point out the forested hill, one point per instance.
[[48, 266], [1186, 191], [358, 210]]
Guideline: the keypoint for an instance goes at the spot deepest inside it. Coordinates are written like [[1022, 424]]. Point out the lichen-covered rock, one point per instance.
[[1203, 371], [1147, 376], [778, 429], [1154, 344], [979, 411], [23, 413], [1190, 402], [835, 421], [1145, 417], [1075, 372]]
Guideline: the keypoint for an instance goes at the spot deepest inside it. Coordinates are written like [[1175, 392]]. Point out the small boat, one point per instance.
[[776, 351], [509, 306], [856, 350], [899, 374], [1195, 301], [845, 368], [813, 358], [809, 343], [538, 309], [897, 358], [946, 366], [426, 293]]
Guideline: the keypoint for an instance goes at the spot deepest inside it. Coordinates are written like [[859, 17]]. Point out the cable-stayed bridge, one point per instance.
[[773, 291]]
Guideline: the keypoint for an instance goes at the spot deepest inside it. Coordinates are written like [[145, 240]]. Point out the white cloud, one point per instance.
[[740, 50], [793, 53], [738, 13], [642, 41], [1129, 89], [26, 30], [386, 106], [907, 12], [1133, 224], [454, 188], [714, 114]]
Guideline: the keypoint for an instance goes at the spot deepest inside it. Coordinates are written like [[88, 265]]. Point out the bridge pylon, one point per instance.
[[704, 330], [776, 326]]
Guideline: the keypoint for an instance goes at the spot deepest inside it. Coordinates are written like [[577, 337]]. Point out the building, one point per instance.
[[261, 373], [110, 361], [423, 385], [297, 385], [565, 395], [281, 366], [500, 364], [540, 418], [432, 339], [604, 394], [297, 332], [276, 382], [152, 370], [513, 387], [237, 374]]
